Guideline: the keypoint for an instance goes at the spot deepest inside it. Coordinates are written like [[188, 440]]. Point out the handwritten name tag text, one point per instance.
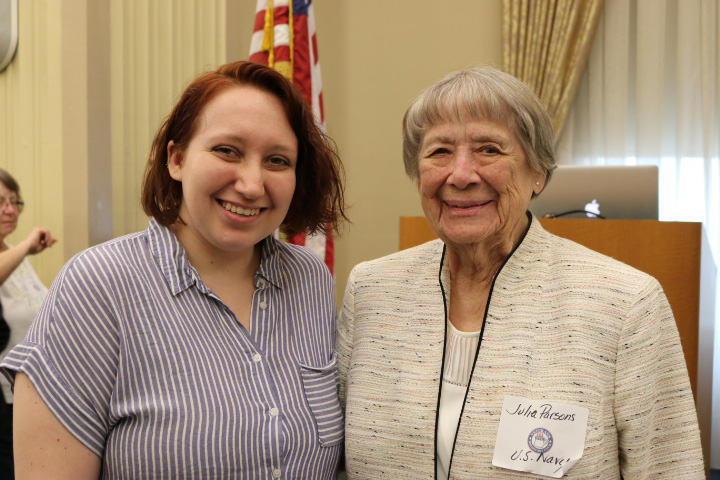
[[545, 411]]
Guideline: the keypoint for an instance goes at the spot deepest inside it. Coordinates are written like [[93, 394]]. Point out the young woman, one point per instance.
[[201, 347]]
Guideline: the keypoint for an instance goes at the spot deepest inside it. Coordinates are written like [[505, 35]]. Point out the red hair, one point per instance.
[[318, 200]]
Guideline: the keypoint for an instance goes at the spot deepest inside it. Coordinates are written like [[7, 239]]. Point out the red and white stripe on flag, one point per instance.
[[284, 38]]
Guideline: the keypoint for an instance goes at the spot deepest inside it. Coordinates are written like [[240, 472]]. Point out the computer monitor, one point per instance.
[[614, 192]]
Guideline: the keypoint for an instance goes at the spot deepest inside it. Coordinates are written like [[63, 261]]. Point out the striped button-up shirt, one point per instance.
[[150, 370]]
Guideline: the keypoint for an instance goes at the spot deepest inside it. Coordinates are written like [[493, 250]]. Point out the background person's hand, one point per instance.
[[38, 240]]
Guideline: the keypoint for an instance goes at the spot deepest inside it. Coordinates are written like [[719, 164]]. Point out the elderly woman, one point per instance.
[[501, 348]]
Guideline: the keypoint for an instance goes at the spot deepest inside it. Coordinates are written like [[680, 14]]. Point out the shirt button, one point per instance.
[[257, 358], [261, 281], [263, 305], [274, 412], [277, 473]]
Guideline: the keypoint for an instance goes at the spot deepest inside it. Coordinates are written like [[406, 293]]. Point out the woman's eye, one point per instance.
[[279, 161], [439, 151], [225, 150], [489, 149]]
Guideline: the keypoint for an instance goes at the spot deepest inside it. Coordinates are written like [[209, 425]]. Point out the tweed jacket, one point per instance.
[[563, 324]]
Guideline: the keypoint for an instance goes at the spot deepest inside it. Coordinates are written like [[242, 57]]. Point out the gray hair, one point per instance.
[[484, 93], [9, 182]]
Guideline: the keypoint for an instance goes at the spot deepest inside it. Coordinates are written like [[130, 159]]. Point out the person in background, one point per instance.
[[201, 347], [500, 350], [21, 294]]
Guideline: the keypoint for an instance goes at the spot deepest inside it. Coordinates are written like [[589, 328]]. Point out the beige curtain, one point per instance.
[[651, 95], [546, 44]]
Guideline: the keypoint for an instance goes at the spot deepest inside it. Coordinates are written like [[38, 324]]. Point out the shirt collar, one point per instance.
[[170, 257], [271, 264], [180, 274]]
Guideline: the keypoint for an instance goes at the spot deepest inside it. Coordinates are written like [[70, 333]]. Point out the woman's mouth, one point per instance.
[[466, 204], [247, 212]]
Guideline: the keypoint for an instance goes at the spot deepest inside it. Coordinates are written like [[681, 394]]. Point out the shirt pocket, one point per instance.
[[321, 391]]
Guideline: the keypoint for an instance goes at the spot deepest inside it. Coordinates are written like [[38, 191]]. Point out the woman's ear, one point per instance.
[[539, 183], [174, 161]]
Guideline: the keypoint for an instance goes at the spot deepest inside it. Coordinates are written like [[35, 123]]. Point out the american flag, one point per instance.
[[284, 39]]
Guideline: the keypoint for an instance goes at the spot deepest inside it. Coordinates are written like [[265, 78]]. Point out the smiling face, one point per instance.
[[237, 172], [9, 214], [475, 182]]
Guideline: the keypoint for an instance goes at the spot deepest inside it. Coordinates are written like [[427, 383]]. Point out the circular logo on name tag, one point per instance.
[[540, 440]]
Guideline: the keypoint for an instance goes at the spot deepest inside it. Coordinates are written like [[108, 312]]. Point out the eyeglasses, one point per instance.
[[16, 203]]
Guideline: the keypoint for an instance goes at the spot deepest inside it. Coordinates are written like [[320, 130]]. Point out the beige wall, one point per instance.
[[31, 133], [92, 81]]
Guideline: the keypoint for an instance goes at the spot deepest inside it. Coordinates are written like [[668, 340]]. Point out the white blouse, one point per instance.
[[21, 296], [460, 352]]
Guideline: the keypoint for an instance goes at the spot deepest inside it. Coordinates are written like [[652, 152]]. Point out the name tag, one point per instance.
[[540, 436]]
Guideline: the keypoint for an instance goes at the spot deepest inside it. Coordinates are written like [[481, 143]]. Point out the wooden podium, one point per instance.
[[677, 254]]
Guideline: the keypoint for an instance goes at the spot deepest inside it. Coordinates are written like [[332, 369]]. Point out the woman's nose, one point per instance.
[[464, 171], [250, 181]]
